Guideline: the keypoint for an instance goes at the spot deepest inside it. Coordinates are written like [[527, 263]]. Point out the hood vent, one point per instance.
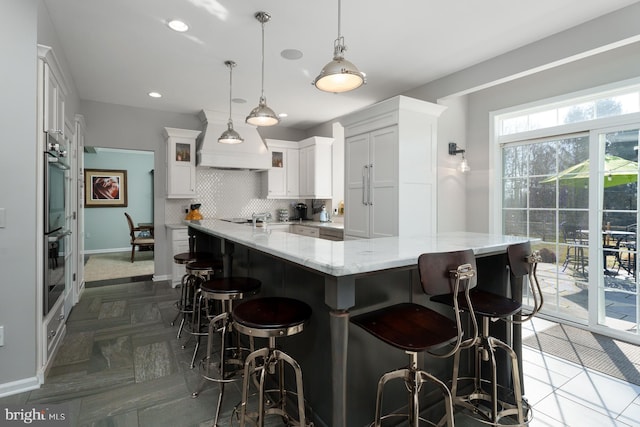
[[252, 154]]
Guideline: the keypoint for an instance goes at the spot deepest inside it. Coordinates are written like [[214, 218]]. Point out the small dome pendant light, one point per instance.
[[262, 115], [339, 75], [230, 136]]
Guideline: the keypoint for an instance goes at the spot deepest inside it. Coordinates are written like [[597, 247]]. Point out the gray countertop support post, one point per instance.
[[340, 296]]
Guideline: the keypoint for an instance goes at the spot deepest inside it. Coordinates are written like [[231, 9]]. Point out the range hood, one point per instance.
[[252, 154]]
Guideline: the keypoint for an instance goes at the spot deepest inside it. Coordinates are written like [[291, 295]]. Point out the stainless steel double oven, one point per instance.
[[56, 228]]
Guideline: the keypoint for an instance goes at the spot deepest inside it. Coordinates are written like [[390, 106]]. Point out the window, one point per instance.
[[576, 110], [567, 172]]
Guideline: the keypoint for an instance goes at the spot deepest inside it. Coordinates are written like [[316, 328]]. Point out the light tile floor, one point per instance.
[[566, 394]]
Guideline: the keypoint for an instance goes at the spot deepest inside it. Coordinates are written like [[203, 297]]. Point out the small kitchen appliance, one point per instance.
[[301, 211], [324, 216]]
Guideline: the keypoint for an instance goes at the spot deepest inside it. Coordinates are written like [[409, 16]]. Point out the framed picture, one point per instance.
[[105, 188]]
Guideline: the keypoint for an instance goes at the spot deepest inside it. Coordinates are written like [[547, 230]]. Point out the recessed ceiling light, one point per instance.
[[177, 25], [291, 54], [239, 100], [155, 94], [283, 115]]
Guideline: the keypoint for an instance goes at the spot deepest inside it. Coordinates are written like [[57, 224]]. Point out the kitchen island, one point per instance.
[[341, 365]]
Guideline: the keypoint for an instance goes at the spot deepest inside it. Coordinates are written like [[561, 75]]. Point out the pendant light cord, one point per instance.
[[230, 86], [339, 14], [262, 91]]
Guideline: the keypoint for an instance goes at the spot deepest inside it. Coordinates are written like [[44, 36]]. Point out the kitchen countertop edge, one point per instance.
[[352, 257]]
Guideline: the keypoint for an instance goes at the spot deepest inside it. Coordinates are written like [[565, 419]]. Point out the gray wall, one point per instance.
[[117, 126], [106, 228], [18, 172]]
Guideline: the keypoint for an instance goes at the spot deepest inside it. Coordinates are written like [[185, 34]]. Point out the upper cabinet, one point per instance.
[[282, 178], [181, 163], [390, 169], [55, 93], [315, 168]]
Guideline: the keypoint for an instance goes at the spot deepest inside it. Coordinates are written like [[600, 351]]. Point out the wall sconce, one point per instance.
[[453, 150]]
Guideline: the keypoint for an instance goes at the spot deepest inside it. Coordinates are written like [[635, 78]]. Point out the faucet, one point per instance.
[[264, 216]]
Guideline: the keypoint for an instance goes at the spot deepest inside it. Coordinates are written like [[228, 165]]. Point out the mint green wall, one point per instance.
[[106, 228]]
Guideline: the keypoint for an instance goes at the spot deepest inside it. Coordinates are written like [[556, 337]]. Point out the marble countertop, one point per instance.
[[350, 257]]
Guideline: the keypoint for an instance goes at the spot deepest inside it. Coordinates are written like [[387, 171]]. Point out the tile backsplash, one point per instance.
[[227, 194]]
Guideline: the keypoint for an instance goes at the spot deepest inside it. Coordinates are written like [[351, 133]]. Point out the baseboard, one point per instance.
[[20, 386], [104, 251], [161, 278]]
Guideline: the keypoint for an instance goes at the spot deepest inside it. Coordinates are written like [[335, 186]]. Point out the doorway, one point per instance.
[[106, 234]]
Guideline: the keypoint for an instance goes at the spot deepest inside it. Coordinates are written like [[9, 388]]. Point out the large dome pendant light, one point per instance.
[[262, 115], [230, 136], [339, 75]]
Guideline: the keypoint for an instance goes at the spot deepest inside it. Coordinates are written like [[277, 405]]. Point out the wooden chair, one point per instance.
[[136, 240]]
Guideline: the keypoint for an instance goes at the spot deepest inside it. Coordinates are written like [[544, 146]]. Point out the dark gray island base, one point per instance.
[[341, 363]]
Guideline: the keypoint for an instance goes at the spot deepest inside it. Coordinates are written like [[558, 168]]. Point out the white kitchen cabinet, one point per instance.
[[50, 123], [54, 327], [55, 93], [179, 238], [315, 167], [282, 179], [390, 169], [181, 163]]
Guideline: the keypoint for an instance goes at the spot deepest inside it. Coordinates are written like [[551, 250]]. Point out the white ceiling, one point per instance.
[[119, 50]]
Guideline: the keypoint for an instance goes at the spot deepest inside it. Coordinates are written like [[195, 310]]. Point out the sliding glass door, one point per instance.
[[577, 196], [615, 192]]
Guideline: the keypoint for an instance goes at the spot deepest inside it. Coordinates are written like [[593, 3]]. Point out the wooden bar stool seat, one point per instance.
[[271, 318]]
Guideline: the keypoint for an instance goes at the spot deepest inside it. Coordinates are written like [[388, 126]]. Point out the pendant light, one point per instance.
[[230, 136], [339, 75], [262, 115]]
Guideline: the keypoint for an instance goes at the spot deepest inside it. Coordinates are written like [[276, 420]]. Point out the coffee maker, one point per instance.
[[301, 211]]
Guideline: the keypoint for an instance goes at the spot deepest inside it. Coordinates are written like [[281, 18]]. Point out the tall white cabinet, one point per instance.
[[52, 128], [390, 169]]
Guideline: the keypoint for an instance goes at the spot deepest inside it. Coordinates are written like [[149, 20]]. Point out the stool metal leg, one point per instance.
[[483, 348], [413, 379], [249, 366], [273, 360], [182, 305]]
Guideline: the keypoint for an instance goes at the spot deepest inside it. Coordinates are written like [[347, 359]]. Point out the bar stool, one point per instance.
[[184, 302], [417, 329], [198, 272], [271, 317], [226, 290], [488, 307]]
